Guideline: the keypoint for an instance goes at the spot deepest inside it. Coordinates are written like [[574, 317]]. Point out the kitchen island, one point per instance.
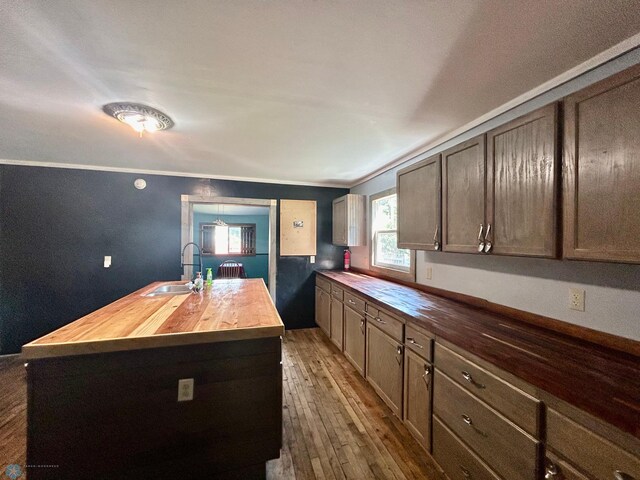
[[103, 391]]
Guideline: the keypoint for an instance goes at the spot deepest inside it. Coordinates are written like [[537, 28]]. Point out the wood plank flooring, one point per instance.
[[334, 424]]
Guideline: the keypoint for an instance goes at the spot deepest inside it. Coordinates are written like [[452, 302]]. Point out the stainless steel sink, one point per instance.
[[169, 290]]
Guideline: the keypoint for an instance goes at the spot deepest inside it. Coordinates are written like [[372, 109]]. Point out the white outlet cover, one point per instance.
[[185, 389], [576, 299]]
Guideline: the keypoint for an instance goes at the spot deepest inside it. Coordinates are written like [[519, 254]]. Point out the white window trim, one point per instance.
[[409, 275]]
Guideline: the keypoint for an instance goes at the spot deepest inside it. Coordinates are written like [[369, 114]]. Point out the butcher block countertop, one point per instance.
[[600, 380], [234, 309]]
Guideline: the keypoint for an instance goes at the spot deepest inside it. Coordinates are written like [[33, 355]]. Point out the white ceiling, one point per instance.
[[226, 209], [306, 91]]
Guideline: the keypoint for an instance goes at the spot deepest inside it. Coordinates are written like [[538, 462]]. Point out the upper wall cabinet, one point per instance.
[[349, 221], [601, 167], [522, 176], [464, 196], [418, 188]]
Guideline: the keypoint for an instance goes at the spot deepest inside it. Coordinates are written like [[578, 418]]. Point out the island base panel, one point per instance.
[[116, 415]]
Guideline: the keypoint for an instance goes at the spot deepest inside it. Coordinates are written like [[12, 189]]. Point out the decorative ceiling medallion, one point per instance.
[[141, 118]]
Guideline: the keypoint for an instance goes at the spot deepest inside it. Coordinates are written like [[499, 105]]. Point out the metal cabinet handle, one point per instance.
[[620, 475], [399, 354], [480, 242], [351, 302], [467, 376], [465, 473], [487, 243], [362, 325], [427, 375], [467, 419], [413, 342], [551, 471], [436, 243], [379, 320]]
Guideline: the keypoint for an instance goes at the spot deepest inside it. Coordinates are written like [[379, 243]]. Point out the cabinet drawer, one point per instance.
[[385, 322], [418, 342], [516, 405], [588, 451], [323, 284], [561, 469], [507, 449], [354, 302], [457, 461], [336, 292]]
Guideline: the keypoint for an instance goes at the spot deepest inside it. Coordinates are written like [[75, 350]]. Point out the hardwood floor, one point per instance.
[[335, 426]]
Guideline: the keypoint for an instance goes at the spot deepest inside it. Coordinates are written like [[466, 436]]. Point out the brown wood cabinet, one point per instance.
[[384, 367], [601, 168], [418, 188], [354, 338], [323, 310], [337, 315], [464, 172], [349, 220], [418, 375], [522, 177]]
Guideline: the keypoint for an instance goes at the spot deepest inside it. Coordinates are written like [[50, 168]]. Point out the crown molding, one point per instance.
[[101, 168]]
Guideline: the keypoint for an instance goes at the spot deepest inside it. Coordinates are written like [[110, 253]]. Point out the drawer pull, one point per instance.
[[362, 325], [467, 376], [351, 302], [551, 471], [379, 320], [620, 475], [467, 419], [413, 342], [465, 473]]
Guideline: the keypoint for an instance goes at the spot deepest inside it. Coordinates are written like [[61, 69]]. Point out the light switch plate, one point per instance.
[[312, 259], [107, 261], [185, 389], [428, 273]]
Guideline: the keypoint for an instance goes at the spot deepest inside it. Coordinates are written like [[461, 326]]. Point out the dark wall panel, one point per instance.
[[56, 226]]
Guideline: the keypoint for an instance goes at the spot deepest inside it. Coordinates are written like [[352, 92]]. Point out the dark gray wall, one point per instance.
[[56, 225]]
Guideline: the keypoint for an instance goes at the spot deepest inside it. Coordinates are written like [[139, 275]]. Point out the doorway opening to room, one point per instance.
[[235, 237]]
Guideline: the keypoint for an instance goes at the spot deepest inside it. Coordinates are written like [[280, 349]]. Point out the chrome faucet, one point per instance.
[[199, 254]]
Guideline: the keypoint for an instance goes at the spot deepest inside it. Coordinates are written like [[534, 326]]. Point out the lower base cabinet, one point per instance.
[[337, 315], [323, 310], [457, 461], [384, 367], [418, 375], [354, 338]]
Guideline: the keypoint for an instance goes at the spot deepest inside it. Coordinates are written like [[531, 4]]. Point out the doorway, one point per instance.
[[244, 223]]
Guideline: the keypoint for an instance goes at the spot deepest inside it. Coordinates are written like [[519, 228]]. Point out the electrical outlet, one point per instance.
[[185, 389], [576, 299], [428, 273]]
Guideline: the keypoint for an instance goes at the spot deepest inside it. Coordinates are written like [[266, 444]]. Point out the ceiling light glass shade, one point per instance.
[[141, 118]]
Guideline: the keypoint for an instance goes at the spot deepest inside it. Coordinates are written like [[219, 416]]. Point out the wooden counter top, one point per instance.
[[234, 309], [600, 380]]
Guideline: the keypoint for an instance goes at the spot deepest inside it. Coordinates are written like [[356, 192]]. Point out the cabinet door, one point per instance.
[[418, 188], [340, 221], [463, 195], [601, 167], [384, 367], [354, 338], [323, 312], [522, 185], [418, 376], [337, 312]]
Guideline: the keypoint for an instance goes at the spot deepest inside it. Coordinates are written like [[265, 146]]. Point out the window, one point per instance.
[[386, 257], [231, 239]]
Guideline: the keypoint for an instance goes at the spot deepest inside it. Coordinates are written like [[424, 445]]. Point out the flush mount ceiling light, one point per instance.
[[141, 118]]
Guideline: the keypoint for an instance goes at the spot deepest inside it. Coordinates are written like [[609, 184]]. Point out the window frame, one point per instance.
[[383, 269], [207, 253]]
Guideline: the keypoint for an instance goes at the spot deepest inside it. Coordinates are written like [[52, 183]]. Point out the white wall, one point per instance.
[[612, 300]]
